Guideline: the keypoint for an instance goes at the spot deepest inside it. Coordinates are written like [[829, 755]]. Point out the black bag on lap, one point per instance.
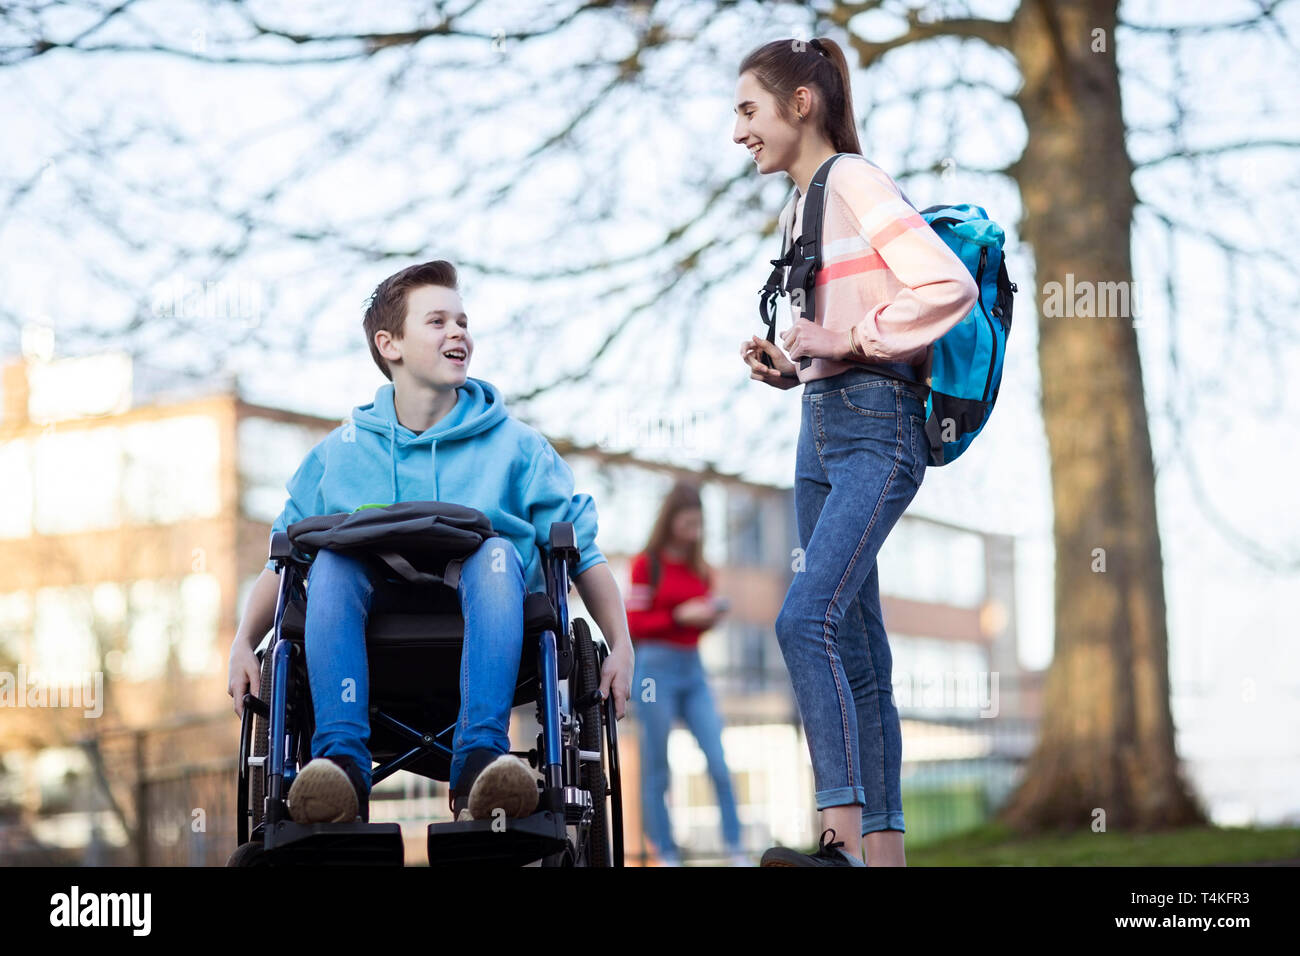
[[421, 541]]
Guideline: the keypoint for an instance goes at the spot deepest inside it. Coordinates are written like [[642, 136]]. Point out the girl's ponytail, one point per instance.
[[782, 66], [840, 126]]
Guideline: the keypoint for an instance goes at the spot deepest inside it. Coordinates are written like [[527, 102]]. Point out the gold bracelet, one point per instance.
[[853, 342]]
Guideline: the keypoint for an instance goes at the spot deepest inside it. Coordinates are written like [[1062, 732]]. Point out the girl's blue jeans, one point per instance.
[[860, 461], [341, 593], [680, 690]]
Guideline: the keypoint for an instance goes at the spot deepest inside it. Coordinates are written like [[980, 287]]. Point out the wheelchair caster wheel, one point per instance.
[[249, 854]]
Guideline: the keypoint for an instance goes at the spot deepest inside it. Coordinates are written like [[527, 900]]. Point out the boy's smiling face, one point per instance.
[[436, 325]]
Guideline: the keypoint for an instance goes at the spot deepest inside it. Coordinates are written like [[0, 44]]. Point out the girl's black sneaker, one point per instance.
[[828, 854]]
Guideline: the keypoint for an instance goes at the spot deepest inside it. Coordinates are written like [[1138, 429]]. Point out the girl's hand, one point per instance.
[[782, 375], [807, 339], [696, 612]]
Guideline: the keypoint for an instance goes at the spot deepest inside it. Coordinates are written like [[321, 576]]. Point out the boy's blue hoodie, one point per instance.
[[477, 456]]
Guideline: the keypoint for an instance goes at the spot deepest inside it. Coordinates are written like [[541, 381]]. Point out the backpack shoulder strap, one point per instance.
[[806, 255], [775, 285]]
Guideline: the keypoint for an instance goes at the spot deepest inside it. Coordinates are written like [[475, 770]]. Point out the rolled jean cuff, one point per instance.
[[883, 820], [841, 797]]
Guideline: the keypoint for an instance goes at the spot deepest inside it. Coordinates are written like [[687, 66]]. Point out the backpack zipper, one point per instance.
[[979, 297]]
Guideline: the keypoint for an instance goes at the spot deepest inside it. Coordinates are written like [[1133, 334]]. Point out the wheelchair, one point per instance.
[[413, 648]]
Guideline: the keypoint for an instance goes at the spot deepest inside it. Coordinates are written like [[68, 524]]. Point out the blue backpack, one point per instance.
[[966, 370]]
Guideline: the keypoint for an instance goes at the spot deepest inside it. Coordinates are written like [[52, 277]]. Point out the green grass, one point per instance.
[[937, 813], [992, 844]]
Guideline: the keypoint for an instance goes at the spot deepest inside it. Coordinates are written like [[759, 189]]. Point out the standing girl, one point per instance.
[[888, 287], [668, 606]]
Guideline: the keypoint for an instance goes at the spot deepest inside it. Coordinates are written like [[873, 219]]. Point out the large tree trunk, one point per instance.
[[1107, 739]]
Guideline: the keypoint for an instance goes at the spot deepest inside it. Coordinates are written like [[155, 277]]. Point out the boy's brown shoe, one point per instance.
[[490, 781], [507, 784], [329, 790]]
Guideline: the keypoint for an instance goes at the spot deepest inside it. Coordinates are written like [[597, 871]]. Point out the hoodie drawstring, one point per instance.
[[484, 411], [392, 456]]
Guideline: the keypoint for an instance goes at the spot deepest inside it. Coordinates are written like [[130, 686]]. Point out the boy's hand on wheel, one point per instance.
[[616, 678], [783, 375], [245, 674]]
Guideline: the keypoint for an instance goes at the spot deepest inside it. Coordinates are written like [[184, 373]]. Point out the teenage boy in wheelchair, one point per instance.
[[433, 434]]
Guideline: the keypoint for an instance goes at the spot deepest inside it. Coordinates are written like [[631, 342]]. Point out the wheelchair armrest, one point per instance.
[[564, 542], [281, 548]]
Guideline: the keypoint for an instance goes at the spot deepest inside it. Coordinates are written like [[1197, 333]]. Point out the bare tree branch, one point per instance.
[[996, 33], [1267, 8], [363, 44], [1219, 150]]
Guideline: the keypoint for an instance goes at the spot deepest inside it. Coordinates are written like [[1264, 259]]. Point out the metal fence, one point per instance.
[[154, 796], [173, 787]]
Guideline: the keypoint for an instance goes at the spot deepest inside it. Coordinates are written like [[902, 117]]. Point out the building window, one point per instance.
[[171, 469], [922, 561], [746, 529], [151, 618], [269, 453], [78, 480], [65, 643], [738, 657], [937, 678], [109, 604], [713, 500], [16, 480], [58, 772], [15, 626], [200, 608]]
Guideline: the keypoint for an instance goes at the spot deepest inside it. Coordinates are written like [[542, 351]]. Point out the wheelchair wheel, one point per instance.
[[300, 728], [249, 854], [595, 851], [261, 736]]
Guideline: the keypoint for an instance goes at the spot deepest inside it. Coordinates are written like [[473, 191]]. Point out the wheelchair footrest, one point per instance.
[[344, 844], [509, 841]]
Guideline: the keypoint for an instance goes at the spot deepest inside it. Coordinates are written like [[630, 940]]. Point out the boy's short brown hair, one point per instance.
[[387, 304]]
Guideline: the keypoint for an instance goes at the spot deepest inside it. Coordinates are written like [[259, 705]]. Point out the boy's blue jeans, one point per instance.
[[341, 593], [861, 457], [680, 690]]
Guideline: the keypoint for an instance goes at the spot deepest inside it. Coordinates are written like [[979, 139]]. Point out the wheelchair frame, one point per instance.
[[558, 832]]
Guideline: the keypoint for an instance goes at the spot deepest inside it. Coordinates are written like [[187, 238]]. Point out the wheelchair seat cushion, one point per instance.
[[427, 534]]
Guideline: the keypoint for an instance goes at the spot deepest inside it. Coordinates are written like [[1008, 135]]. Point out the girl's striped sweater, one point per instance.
[[884, 270]]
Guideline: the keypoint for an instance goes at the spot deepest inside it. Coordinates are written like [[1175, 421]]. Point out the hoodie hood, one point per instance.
[[479, 407]]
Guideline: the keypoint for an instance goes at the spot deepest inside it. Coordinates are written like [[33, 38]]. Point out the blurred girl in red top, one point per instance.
[[665, 618]]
